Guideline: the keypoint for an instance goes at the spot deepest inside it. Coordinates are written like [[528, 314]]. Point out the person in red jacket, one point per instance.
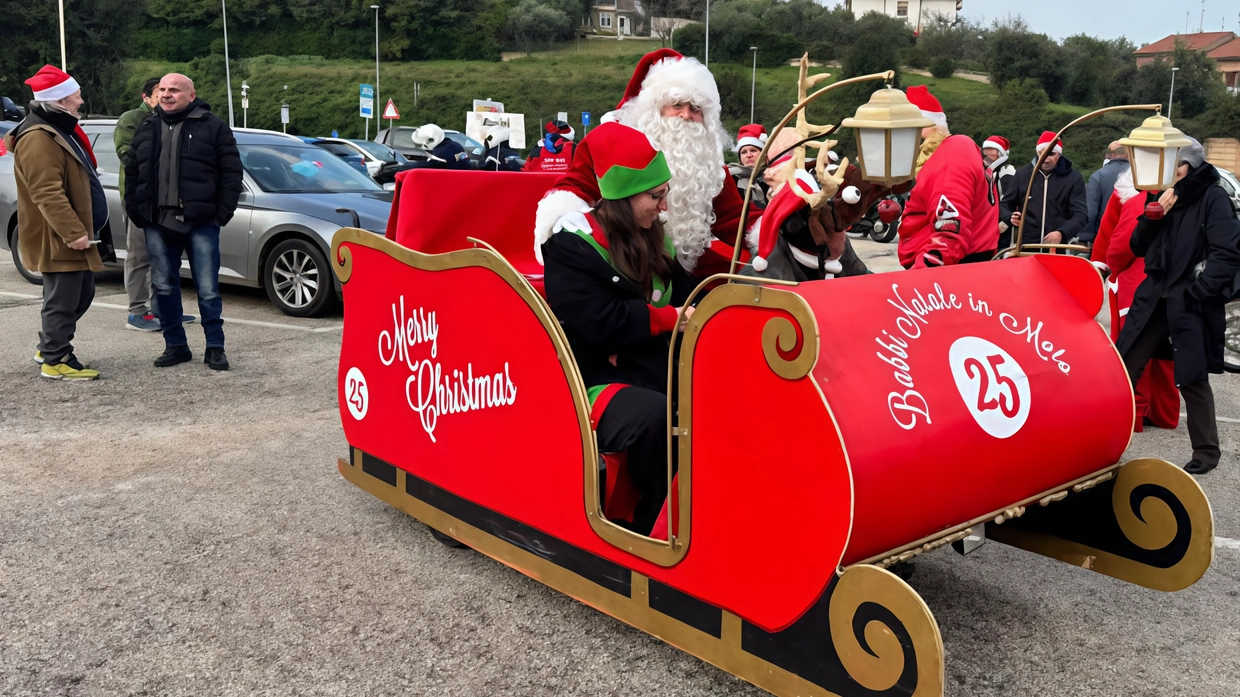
[[952, 215], [1158, 401]]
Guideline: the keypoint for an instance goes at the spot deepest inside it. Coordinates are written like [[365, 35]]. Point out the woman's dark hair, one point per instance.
[[637, 253]]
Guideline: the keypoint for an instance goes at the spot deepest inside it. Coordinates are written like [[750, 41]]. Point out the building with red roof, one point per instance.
[[1222, 46]]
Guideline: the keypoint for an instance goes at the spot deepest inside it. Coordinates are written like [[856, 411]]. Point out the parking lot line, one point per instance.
[[1226, 543], [227, 320]]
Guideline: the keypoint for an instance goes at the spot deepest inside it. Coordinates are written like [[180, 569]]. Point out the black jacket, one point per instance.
[[605, 314], [1057, 201], [211, 171], [1199, 228]]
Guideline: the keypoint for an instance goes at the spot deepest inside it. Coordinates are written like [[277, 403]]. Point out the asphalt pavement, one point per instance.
[[185, 532]]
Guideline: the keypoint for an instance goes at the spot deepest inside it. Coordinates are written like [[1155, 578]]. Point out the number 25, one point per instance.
[[1008, 403]]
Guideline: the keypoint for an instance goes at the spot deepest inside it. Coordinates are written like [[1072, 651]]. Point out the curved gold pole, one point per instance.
[[1020, 229], [740, 228]]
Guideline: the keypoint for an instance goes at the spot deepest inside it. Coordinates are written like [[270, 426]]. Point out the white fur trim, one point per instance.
[[610, 117], [759, 264], [809, 261], [996, 146], [833, 267], [1101, 266], [750, 140], [554, 206], [1040, 148], [55, 92], [752, 234], [938, 117], [683, 79]]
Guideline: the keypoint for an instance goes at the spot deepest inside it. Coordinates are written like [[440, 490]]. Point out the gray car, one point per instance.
[[295, 197]]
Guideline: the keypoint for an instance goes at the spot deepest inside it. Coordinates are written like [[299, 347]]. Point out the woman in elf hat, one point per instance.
[[612, 279]]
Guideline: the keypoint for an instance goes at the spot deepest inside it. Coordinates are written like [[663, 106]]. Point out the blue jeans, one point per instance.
[[165, 247]]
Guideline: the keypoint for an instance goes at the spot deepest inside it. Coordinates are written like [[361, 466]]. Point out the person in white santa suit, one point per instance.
[[952, 215], [675, 102]]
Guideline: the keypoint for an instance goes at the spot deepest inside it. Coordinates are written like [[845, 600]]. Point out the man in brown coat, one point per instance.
[[60, 210]]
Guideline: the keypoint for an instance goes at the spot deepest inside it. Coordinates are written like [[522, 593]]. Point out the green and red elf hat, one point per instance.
[[624, 161]]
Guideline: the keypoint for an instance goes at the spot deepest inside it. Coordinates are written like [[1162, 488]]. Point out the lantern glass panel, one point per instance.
[[1145, 167], [873, 152], [1170, 160], [903, 151]]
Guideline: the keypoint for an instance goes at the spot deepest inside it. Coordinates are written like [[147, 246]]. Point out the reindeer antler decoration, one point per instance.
[[808, 131]]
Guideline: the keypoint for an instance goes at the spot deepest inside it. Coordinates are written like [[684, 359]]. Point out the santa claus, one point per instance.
[[673, 100]]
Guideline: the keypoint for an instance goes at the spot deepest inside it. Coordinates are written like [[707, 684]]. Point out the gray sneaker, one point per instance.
[[143, 323]]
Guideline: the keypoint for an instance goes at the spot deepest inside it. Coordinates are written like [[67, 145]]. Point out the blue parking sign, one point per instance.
[[585, 118], [367, 101]]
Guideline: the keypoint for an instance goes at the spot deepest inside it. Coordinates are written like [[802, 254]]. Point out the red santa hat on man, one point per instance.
[[998, 143], [665, 76], [1046, 140], [753, 134], [921, 98], [52, 83]]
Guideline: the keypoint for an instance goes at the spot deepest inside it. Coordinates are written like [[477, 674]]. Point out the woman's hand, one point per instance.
[[1167, 200], [685, 313]]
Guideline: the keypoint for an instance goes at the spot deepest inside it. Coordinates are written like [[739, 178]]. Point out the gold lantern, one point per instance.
[[888, 137], [1153, 151]]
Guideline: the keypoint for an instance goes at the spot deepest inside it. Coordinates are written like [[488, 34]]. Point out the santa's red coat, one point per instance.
[[954, 207]]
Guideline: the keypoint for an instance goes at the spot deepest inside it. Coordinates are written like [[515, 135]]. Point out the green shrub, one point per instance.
[[942, 67]]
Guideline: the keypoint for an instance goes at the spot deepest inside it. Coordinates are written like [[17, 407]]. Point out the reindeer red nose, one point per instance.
[[888, 211]]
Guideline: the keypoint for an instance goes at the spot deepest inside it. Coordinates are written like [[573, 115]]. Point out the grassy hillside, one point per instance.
[[586, 76]]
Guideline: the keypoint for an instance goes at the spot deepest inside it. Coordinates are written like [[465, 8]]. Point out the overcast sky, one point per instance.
[[1142, 21]]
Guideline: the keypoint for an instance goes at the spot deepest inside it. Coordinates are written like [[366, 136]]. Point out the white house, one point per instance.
[[913, 11]]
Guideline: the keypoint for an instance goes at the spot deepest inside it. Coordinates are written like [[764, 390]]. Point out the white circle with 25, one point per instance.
[[356, 396], [992, 384]]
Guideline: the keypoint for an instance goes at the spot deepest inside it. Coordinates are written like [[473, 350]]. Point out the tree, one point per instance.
[[1198, 83], [1014, 53], [534, 25]]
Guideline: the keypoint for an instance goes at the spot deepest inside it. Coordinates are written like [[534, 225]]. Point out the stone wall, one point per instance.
[[1224, 153]]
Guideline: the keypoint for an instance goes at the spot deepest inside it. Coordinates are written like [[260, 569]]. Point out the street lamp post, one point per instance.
[[64, 63], [707, 33], [1171, 98], [227, 73], [753, 85], [377, 103]]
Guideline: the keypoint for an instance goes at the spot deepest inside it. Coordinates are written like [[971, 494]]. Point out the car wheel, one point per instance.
[[33, 276], [298, 280]]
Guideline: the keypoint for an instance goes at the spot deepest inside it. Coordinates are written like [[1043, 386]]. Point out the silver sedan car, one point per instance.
[[295, 197]]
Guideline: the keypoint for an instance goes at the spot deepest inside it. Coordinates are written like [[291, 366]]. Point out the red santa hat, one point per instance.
[[1046, 139], [920, 96], [785, 203], [52, 83], [666, 76], [753, 134], [998, 143], [560, 128]]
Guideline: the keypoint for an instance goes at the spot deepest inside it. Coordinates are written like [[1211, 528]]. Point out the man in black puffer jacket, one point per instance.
[[182, 184], [1057, 207], [1192, 255]]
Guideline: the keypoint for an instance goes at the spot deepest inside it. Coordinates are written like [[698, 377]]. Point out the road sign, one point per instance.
[[585, 118], [561, 116], [390, 112], [367, 101], [284, 114]]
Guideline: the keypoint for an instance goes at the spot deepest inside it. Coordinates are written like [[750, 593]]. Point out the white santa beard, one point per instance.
[[694, 153]]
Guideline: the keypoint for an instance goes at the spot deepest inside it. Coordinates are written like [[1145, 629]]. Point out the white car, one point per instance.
[[1231, 185]]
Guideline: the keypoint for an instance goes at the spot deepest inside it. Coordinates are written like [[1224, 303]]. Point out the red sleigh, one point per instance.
[[825, 431]]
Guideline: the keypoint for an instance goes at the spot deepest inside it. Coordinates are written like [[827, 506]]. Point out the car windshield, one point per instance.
[[403, 138], [378, 150], [296, 169], [468, 144]]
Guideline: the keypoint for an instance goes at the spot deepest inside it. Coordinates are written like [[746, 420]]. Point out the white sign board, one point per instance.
[[367, 101], [476, 124]]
